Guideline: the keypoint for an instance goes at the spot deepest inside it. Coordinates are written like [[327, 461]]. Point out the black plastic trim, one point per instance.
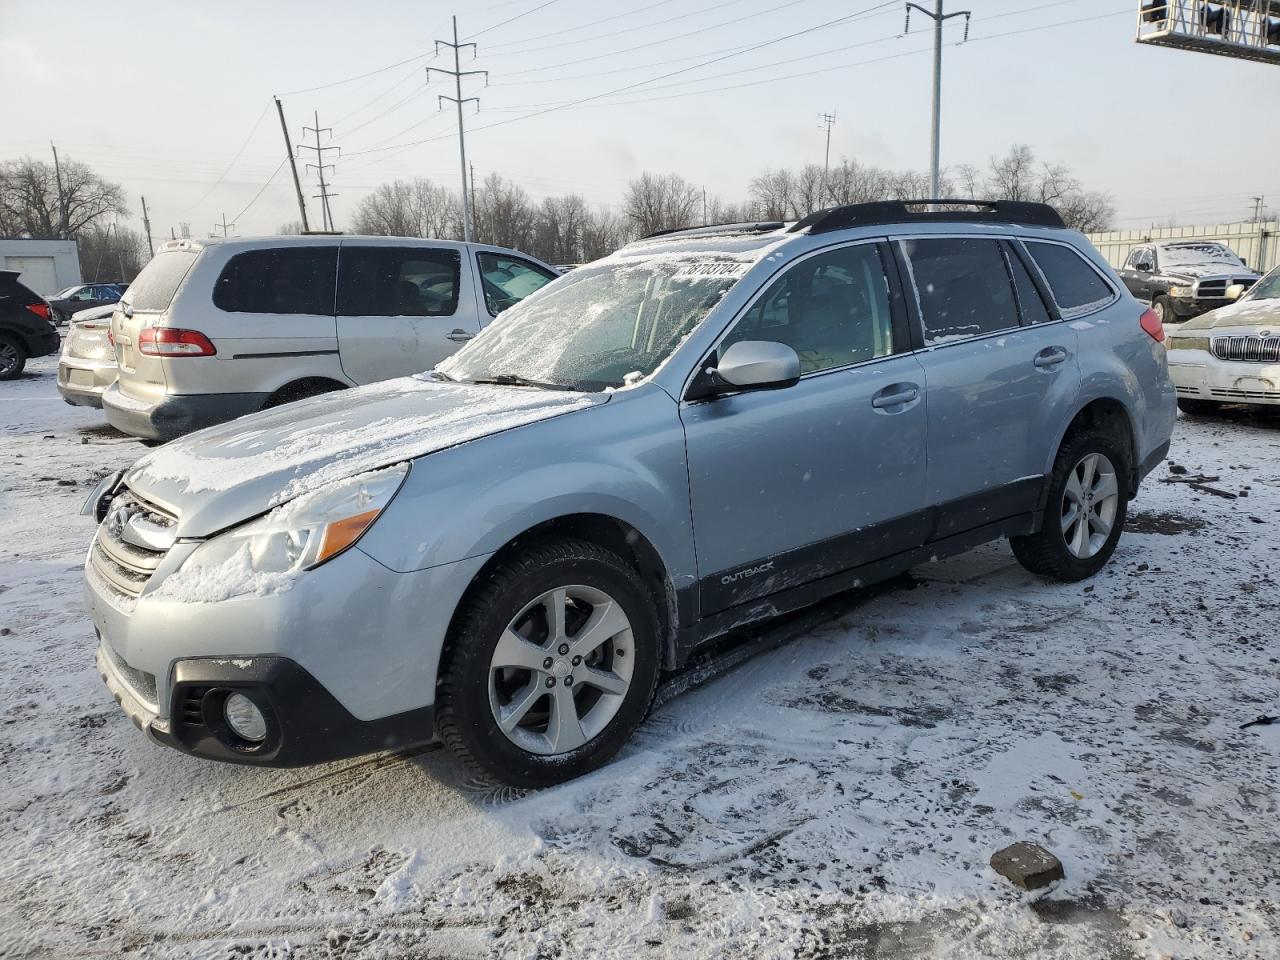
[[899, 211], [752, 226], [306, 724], [284, 353]]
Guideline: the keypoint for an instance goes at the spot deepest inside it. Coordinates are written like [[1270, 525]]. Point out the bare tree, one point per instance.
[[603, 233], [662, 202], [1018, 176], [33, 205], [504, 214], [291, 228], [559, 229], [409, 208], [773, 194], [110, 253]]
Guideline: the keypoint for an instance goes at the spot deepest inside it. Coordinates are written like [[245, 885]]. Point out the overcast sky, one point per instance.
[[174, 99]]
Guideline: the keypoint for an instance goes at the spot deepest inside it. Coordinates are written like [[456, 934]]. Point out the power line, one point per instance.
[[261, 190], [586, 26], [518, 16], [215, 183]]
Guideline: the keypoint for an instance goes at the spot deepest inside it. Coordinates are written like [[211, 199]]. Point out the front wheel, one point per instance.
[[1163, 307], [1085, 512], [550, 666]]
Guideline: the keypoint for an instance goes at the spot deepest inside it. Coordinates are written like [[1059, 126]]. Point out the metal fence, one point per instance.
[[1257, 243]]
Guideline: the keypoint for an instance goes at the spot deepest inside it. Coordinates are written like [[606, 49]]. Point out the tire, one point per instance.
[[13, 357], [1197, 408], [298, 391], [543, 746], [1163, 307], [1058, 551]]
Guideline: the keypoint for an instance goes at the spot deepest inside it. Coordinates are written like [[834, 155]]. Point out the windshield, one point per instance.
[[1191, 253], [605, 325], [63, 294], [1268, 288]]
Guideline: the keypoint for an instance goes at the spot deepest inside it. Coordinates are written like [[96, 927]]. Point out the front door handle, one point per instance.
[[1050, 357], [896, 396], [460, 336]]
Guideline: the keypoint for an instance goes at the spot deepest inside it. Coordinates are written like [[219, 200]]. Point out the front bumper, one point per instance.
[[174, 416], [1199, 375], [82, 382], [305, 723]]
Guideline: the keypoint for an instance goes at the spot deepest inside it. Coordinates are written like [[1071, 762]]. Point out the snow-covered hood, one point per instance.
[[218, 477], [1203, 271], [1256, 314]]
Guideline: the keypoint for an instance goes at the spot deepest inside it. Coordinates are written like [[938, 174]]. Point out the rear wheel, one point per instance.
[[1085, 512], [13, 357], [1197, 408], [550, 667]]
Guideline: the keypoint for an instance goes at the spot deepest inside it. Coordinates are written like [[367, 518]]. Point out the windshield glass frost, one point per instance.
[[1188, 253], [601, 326], [1268, 288]]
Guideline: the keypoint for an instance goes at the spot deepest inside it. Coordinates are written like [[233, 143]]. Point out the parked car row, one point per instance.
[[84, 296], [210, 331], [708, 428]]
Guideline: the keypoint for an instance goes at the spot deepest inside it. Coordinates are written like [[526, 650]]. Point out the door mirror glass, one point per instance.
[[1235, 291], [759, 365], [1145, 266]]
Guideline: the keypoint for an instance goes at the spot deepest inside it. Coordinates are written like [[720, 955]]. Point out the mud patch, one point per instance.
[[1166, 523]]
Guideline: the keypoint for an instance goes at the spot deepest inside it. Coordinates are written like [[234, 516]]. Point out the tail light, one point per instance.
[[41, 310], [171, 342], [1152, 326]]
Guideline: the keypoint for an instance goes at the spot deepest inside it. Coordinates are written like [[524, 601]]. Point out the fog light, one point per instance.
[[244, 718]]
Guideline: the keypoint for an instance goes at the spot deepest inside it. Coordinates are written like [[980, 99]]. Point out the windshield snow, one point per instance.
[[605, 325], [1183, 254]]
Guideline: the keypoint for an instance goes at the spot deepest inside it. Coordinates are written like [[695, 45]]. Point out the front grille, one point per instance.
[[1217, 289], [1247, 348], [139, 682], [131, 542], [1229, 393]]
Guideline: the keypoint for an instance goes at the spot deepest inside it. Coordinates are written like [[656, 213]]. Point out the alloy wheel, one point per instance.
[[1089, 505], [561, 669], [9, 358]]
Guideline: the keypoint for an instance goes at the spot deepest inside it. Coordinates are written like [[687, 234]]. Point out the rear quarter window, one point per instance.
[[1076, 286], [159, 280], [284, 280]]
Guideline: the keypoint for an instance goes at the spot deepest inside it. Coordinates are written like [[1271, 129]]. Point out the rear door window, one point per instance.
[[398, 282], [507, 280], [962, 287], [159, 280], [1076, 285], [281, 280], [1029, 299]]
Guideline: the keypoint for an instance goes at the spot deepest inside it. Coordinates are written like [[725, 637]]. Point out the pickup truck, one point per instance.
[[1185, 278]]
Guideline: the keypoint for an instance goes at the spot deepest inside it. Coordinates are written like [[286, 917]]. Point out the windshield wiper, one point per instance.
[[514, 380]]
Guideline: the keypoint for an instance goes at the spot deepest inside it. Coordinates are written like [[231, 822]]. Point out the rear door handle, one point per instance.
[[460, 336], [1050, 357], [896, 396]]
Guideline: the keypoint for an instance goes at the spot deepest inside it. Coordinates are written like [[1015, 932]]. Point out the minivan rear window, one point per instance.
[[280, 280], [159, 280], [1075, 285], [398, 282]]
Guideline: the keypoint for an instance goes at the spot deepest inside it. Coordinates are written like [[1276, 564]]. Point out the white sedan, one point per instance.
[[1230, 355]]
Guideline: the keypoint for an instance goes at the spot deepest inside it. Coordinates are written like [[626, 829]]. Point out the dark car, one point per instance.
[[26, 326], [83, 296], [1183, 279]]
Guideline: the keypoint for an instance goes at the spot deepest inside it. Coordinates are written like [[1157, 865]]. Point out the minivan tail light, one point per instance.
[[41, 310], [172, 342], [1151, 324]]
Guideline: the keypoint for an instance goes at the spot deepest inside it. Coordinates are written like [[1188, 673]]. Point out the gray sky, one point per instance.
[[162, 96]]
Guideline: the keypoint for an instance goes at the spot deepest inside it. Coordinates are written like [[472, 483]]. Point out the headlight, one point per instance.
[[1189, 343], [1182, 291], [265, 555]]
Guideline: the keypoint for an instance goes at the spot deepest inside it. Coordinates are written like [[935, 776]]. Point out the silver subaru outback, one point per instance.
[[707, 428]]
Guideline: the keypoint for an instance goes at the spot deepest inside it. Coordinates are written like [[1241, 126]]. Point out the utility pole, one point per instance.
[[473, 195], [704, 206], [1258, 208], [458, 73], [293, 165], [828, 121], [146, 222], [224, 226], [320, 166], [173, 233], [938, 18], [57, 172]]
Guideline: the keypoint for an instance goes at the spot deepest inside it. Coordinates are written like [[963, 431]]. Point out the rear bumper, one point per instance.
[[82, 382], [305, 723], [43, 341], [174, 416]]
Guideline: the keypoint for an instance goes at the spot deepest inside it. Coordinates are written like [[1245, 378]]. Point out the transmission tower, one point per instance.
[[458, 73], [320, 167]]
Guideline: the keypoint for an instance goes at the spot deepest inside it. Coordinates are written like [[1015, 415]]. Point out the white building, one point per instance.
[[47, 266]]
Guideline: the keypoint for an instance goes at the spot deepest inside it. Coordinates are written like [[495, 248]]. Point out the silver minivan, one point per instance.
[[211, 330]]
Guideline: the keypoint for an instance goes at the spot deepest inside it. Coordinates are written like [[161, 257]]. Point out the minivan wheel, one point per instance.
[[13, 358], [1085, 511], [551, 665]]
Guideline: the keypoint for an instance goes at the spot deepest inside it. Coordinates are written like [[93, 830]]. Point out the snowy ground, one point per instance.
[[836, 797]]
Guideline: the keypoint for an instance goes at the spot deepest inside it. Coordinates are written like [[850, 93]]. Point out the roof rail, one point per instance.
[[900, 211], [760, 226]]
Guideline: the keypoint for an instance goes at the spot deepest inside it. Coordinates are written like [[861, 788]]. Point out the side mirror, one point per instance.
[[1145, 266], [1235, 291], [758, 365]]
